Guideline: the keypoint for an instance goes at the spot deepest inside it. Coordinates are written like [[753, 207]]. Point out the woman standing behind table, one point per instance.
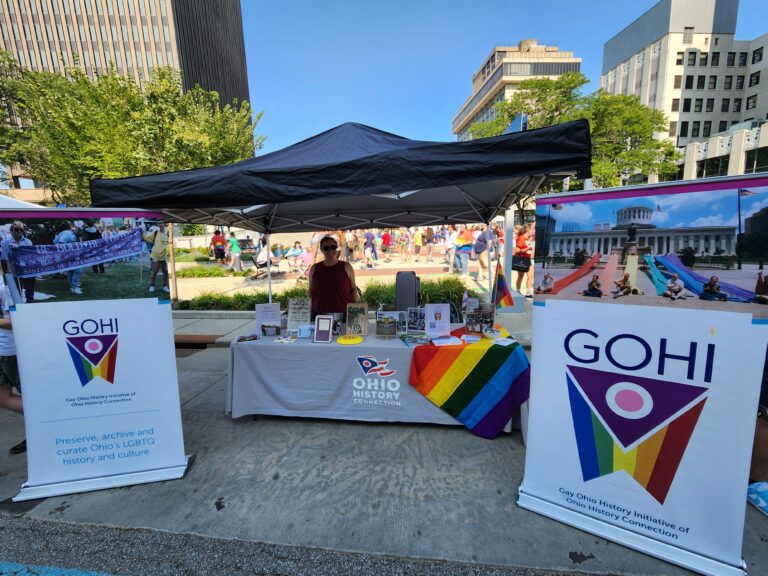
[[331, 282]]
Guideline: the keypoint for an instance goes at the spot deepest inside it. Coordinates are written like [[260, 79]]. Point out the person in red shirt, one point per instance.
[[523, 251], [386, 245], [218, 244], [331, 282]]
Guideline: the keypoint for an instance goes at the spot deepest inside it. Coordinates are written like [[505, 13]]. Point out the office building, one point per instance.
[[681, 57], [202, 38], [501, 74]]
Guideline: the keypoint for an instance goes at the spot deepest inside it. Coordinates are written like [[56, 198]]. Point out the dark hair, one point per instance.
[[331, 238]]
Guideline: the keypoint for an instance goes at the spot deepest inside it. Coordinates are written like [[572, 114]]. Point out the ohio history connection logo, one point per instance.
[[93, 348], [632, 423]]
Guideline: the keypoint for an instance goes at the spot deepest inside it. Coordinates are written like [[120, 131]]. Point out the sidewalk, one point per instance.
[[389, 490]]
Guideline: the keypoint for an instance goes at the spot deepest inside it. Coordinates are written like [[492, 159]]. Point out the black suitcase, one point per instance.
[[407, 290]]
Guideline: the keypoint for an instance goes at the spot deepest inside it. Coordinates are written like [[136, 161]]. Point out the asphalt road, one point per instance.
[[129, 552]]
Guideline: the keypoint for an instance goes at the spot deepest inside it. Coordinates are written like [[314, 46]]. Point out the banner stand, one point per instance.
[[103, 482], [650, 546]]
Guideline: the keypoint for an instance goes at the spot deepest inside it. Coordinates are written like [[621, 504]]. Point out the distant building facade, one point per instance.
[[705, 240], [202, 38], [681, 57], [501, 74]]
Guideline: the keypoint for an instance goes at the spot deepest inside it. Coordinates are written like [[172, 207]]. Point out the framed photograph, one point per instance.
[[298, 312], [416, 321], [357, 318], [386, 325], [398, 316], [323, 328]]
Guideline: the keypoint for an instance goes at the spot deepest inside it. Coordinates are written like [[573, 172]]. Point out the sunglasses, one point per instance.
[[327, 248]]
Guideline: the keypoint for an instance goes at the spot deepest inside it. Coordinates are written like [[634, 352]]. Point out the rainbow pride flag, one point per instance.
[[651, 460], [94, 357], [480, 384], [502, 297]]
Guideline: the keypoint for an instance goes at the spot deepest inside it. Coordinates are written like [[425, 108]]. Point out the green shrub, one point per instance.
[[377, 292], [209, 272]]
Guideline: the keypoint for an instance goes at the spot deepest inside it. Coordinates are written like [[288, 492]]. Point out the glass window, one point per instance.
[[688, 35], [689, 82], [710, 107], [712, 84], [751, 102], [687, 105], [742, 58], [672, 129], [707, 129], [675, 104], [731, 59], [684, 129], [728, 83], [739, 82], [754, 79], [697, 105], [701, 81], [695, 129], [715, 61], [678, 82], [680, 57], [737, 104], [757, 160], [691, 58], [757, 55], [726, 106], [703, 57], [723, 126]]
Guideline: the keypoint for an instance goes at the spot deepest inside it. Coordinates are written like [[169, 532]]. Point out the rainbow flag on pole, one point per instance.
[[502, 297]]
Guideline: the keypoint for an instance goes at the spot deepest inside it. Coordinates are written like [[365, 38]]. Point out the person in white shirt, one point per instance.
[[9, 370], [675, 288]]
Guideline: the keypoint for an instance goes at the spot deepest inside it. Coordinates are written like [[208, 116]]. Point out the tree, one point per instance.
[[191, 229], [68, 129], [624, 131]]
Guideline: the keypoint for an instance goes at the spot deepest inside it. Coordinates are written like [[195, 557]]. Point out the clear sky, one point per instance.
[[405, 66]]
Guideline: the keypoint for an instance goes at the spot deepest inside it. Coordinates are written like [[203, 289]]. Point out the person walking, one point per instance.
[[17, 237], [418, 242], [67, 235], [429, 242], [157, 256], [217, 245], [235, 252], [464, 243], [482, 243], [523, 252]]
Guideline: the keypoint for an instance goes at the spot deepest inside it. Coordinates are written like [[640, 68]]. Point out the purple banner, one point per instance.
[[49, 258]]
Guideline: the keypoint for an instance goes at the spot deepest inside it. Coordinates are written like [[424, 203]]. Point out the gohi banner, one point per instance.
[[49, 258], [641, 426], [101, 398]]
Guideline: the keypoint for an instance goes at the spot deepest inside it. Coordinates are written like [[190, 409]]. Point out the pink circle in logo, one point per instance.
[[629, 400], [93, 346]]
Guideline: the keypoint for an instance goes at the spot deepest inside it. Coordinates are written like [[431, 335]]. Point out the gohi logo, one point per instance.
[[94, 353], [372, 367], [632, 423]]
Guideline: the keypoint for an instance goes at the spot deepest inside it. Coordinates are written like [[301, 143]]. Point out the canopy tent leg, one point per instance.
[[488, 240], [269, 268]]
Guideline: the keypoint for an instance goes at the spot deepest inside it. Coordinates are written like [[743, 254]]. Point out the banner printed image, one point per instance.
[[681, 250], [59, 259]]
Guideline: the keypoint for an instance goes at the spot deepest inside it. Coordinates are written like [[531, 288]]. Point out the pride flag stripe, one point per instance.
[[465, 361], [87, 371], [490, 363], [653, 463]]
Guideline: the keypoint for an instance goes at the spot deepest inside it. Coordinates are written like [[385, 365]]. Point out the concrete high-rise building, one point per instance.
[[501, 74], [202, 38], [681, 57]]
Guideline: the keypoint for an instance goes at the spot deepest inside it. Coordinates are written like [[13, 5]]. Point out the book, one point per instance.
[[298, 312], [357, 318]]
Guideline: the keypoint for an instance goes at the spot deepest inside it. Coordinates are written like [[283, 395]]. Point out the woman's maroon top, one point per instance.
[[331, 289]]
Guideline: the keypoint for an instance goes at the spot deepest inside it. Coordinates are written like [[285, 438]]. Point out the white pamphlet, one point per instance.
[[267, 314], [437, 319]]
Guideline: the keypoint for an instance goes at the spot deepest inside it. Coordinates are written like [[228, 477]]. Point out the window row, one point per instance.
[[708, 105], [710, 83], [691, 57]]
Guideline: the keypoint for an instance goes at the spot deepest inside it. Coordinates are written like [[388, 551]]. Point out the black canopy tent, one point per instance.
[[355, 176]]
